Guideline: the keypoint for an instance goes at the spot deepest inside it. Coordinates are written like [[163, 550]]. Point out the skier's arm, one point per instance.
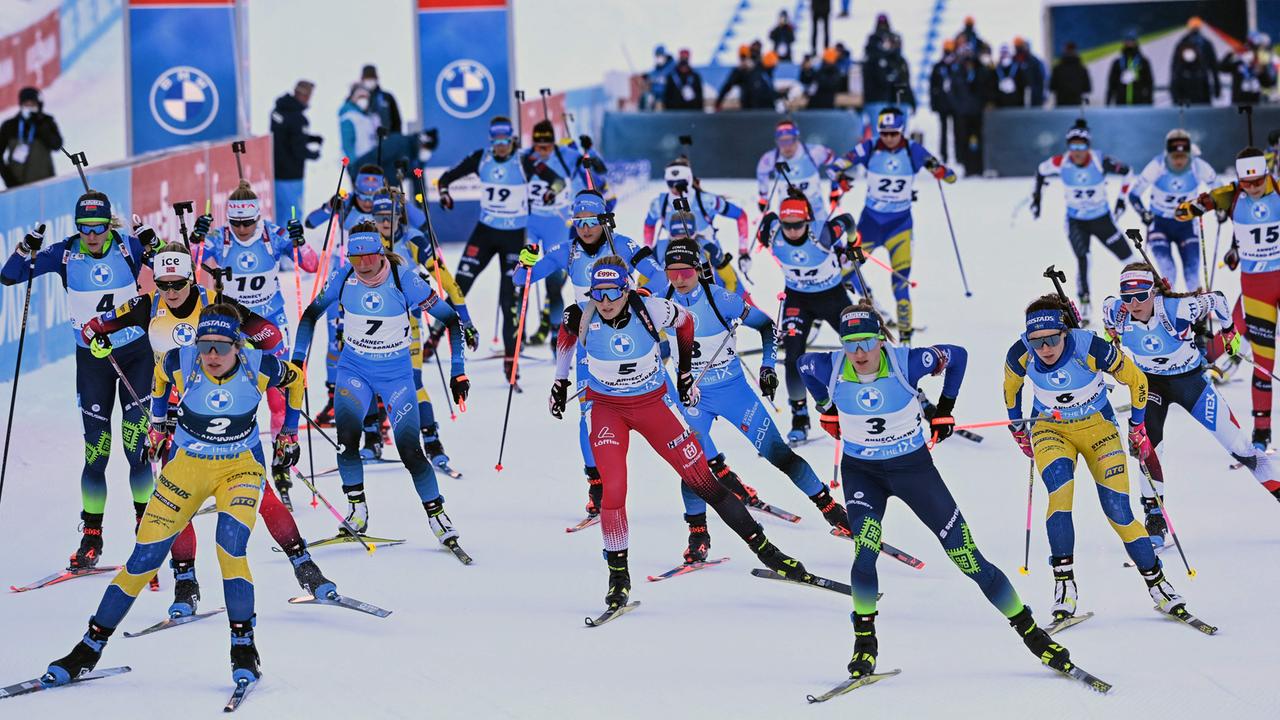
[[161, 380], [754, 317], [1015, 369], [1197, 308], [307, 323], [947, 360], [1144, 180], [815, 371], [1112, 166], [1218, 198], [651, 220], [277, 373], [645, 262], [566, 339], [17, 268], [469, 165], [556, 258], [264, 334], [421, 296], [1109, 359], [544, 172], [135, 312]]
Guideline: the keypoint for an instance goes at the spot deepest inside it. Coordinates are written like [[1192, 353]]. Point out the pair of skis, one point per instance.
[[36, 685]]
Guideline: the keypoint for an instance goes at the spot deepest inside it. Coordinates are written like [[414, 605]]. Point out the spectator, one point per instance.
[[1034, 69], [881, 41], [967, 39], [756, 49], [972, 90], [1207, 56], [1129, 82], [359, 126], [940, 95], [28, 141], [657, 78], [1070, 81], [684, 86], [381, 102], [844, 58], [754, 81], [1251, 72], [1190, 81], [819, 14], [737, 78], [885, 82], [1011, 80], [783, 36], [824, 82], [844, 8], [292, 146]]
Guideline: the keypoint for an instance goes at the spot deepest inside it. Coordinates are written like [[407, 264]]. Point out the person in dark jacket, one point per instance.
[[820, 14], [1033, 67], [940, 96], [885, 82], [28, 141], [1070, 82], [881, 41], [737, 78], [1011, 80], [783, 36], [1207, 56], [381, 102], [1250, 72], [1130, 81], [824, 82], [293, 145], [972, 90], [968, 40], [1190, 81], [684, 86]]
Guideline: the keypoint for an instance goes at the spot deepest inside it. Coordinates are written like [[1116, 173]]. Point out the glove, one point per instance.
[[689, 395], [1120, 207], [159, 437], [1023, 438], [1035, 206], [470, 336], [100, 346], [1230, 341], [549, 197], [559, 398], [146, 234], [1139, 443], [1147, 217], [286, 450], [764, 231], [942, 424], [829, 420], [446, 200], [31, 243], [295, 233], [584, 142], [459, 385], [763, 204], [93, 330], [203, 223], [529, 255], [718, 258], [1232, 258], [936, 169], [744, 263], [768, 382]]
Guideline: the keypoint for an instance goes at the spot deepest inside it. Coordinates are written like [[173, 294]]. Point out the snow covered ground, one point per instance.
[[504, 637]]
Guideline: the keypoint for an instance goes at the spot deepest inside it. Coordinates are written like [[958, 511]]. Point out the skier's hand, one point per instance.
[[559, 398], [159, 438], [446, 200], [1186, 211], [744, 263], [92, 331], [295, 233], [1147, 216], [529, 255], [146, 235], [768, 382], [1230, 341], [285, 450], [942, 423], [584, 142], [100, 346], [470, 336], [1232, 258], [1023, 438], [203, 223], [764, 231], [689, 395], [549, 198], [829, 419], [1120, 208], [1139, 443], [763, 204], [459, 386], [31, 243], [1035, 206]]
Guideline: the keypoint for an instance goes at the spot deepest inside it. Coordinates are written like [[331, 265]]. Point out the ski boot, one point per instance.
[[435, 450], [358, 514], [1064, 587], [1156, 527], [440, 523], [1085, 308], [186, 590], [775, 559], [699, 539], [433, 341], [325, 417], [90, 550], [1039, 642], [799, 422], [280, 478], [244, 654], [508, 363], [865, 646], [372, 445], [1166, 599], [619, 579], [544, 327], [1261, 439], [82, 658], [730, 480], [310, 579], [832, 511], [595, 491]]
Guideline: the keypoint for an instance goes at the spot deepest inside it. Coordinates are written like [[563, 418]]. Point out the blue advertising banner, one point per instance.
[[181, 91]]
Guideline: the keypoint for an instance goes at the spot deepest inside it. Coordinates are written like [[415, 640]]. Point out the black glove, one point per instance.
[[470, 337], [335, 202], [559, 398], [763, 204], [146, 235], [764, 232], [549, 197], [1120, 206], [1035, 206], [942, 424], [584, 141], [689, 395], [31, 243], [446, 200], [286, 450], [1232, 258], [1147, 217], [295, 233], [459, 385], [768, 382], [203, 223]]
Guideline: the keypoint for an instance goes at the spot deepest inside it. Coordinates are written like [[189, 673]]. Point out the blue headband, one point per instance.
[[90, 211], [588, 201], [1046, 320], [383, 205], [367, 184], [364, 243], [610, 274], [786, 130], [860, 322], [214, 324], [500, 131]]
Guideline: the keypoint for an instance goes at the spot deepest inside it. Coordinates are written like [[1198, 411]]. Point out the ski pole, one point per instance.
[[448, 396], [81, 162], [756, 379], [127, 385], [297, 267], [1026, 546], [515, 363], [181, 209], [1213, 267], [1153, 472], [306, 406], [1135, 236], [343, 521], [439, 264], [519, 121], [951, 228], [893, 272], [237, 149], [545, 93], [17, 368], [835, 467], [733, 327], [328, 236]]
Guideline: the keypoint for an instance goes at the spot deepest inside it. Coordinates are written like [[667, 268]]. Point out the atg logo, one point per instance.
[[184, 100], [465, 88]]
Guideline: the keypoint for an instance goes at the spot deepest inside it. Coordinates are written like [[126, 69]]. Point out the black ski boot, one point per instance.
[[729, 479], [82, 658], [280, 478], [699, 539], [325, 417], [310, 579], [1156, 527], [1261, 438], [832, 511], [865, 646], [619, 579], [432, 445], [244, 654], [186, 590], [372, 445], [595, 491], [1039, 642], [433, 341], [799, 422], [775, 559], [90, 550]]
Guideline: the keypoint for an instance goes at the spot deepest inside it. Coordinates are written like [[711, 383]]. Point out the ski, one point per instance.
[[171, 622], [806, 441], [1238, 465], [969, 435], [686, 569], [1059, 625], [1087, 678], [458, 552], [767, 509], [583, 524], [1190, 620], [611, 614], [365, 461], [441, 463], [812, 581], [341, 601], [851, 684], [63, 576], [238, 695], [34, 685], [344, 537], [207, 509], [887, 549]]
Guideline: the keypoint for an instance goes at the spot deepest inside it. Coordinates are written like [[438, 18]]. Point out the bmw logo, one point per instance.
[[184, 100], [465, 88], [1260, 211], [892, 164], [798, 256], [870, 399], [184, 334], [100, 274], [1082, 178], [1151, 343], [246, 261], [499, 172], [1059, 378], [621, 345], [371, 301], [218, 400], [1176, 184]]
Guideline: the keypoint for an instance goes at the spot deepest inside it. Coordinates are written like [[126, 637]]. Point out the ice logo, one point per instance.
[[465, 88], [1151, 343], [100, 274], [371, 301], [621, 345], [870, 399], [1059, 378], [1260, 212], [184, 100], [218, 400], [184, 334], [246, 261]]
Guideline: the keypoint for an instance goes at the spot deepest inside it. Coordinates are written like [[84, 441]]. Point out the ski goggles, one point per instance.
[[586, 222], [242, 223], [793, 226], [217, 347], [92, 228], [1044, 342], [171, 285], [603, 294], [1137, 296], [1078, 146], [863, 342], [1253, 182], [682, 273]]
